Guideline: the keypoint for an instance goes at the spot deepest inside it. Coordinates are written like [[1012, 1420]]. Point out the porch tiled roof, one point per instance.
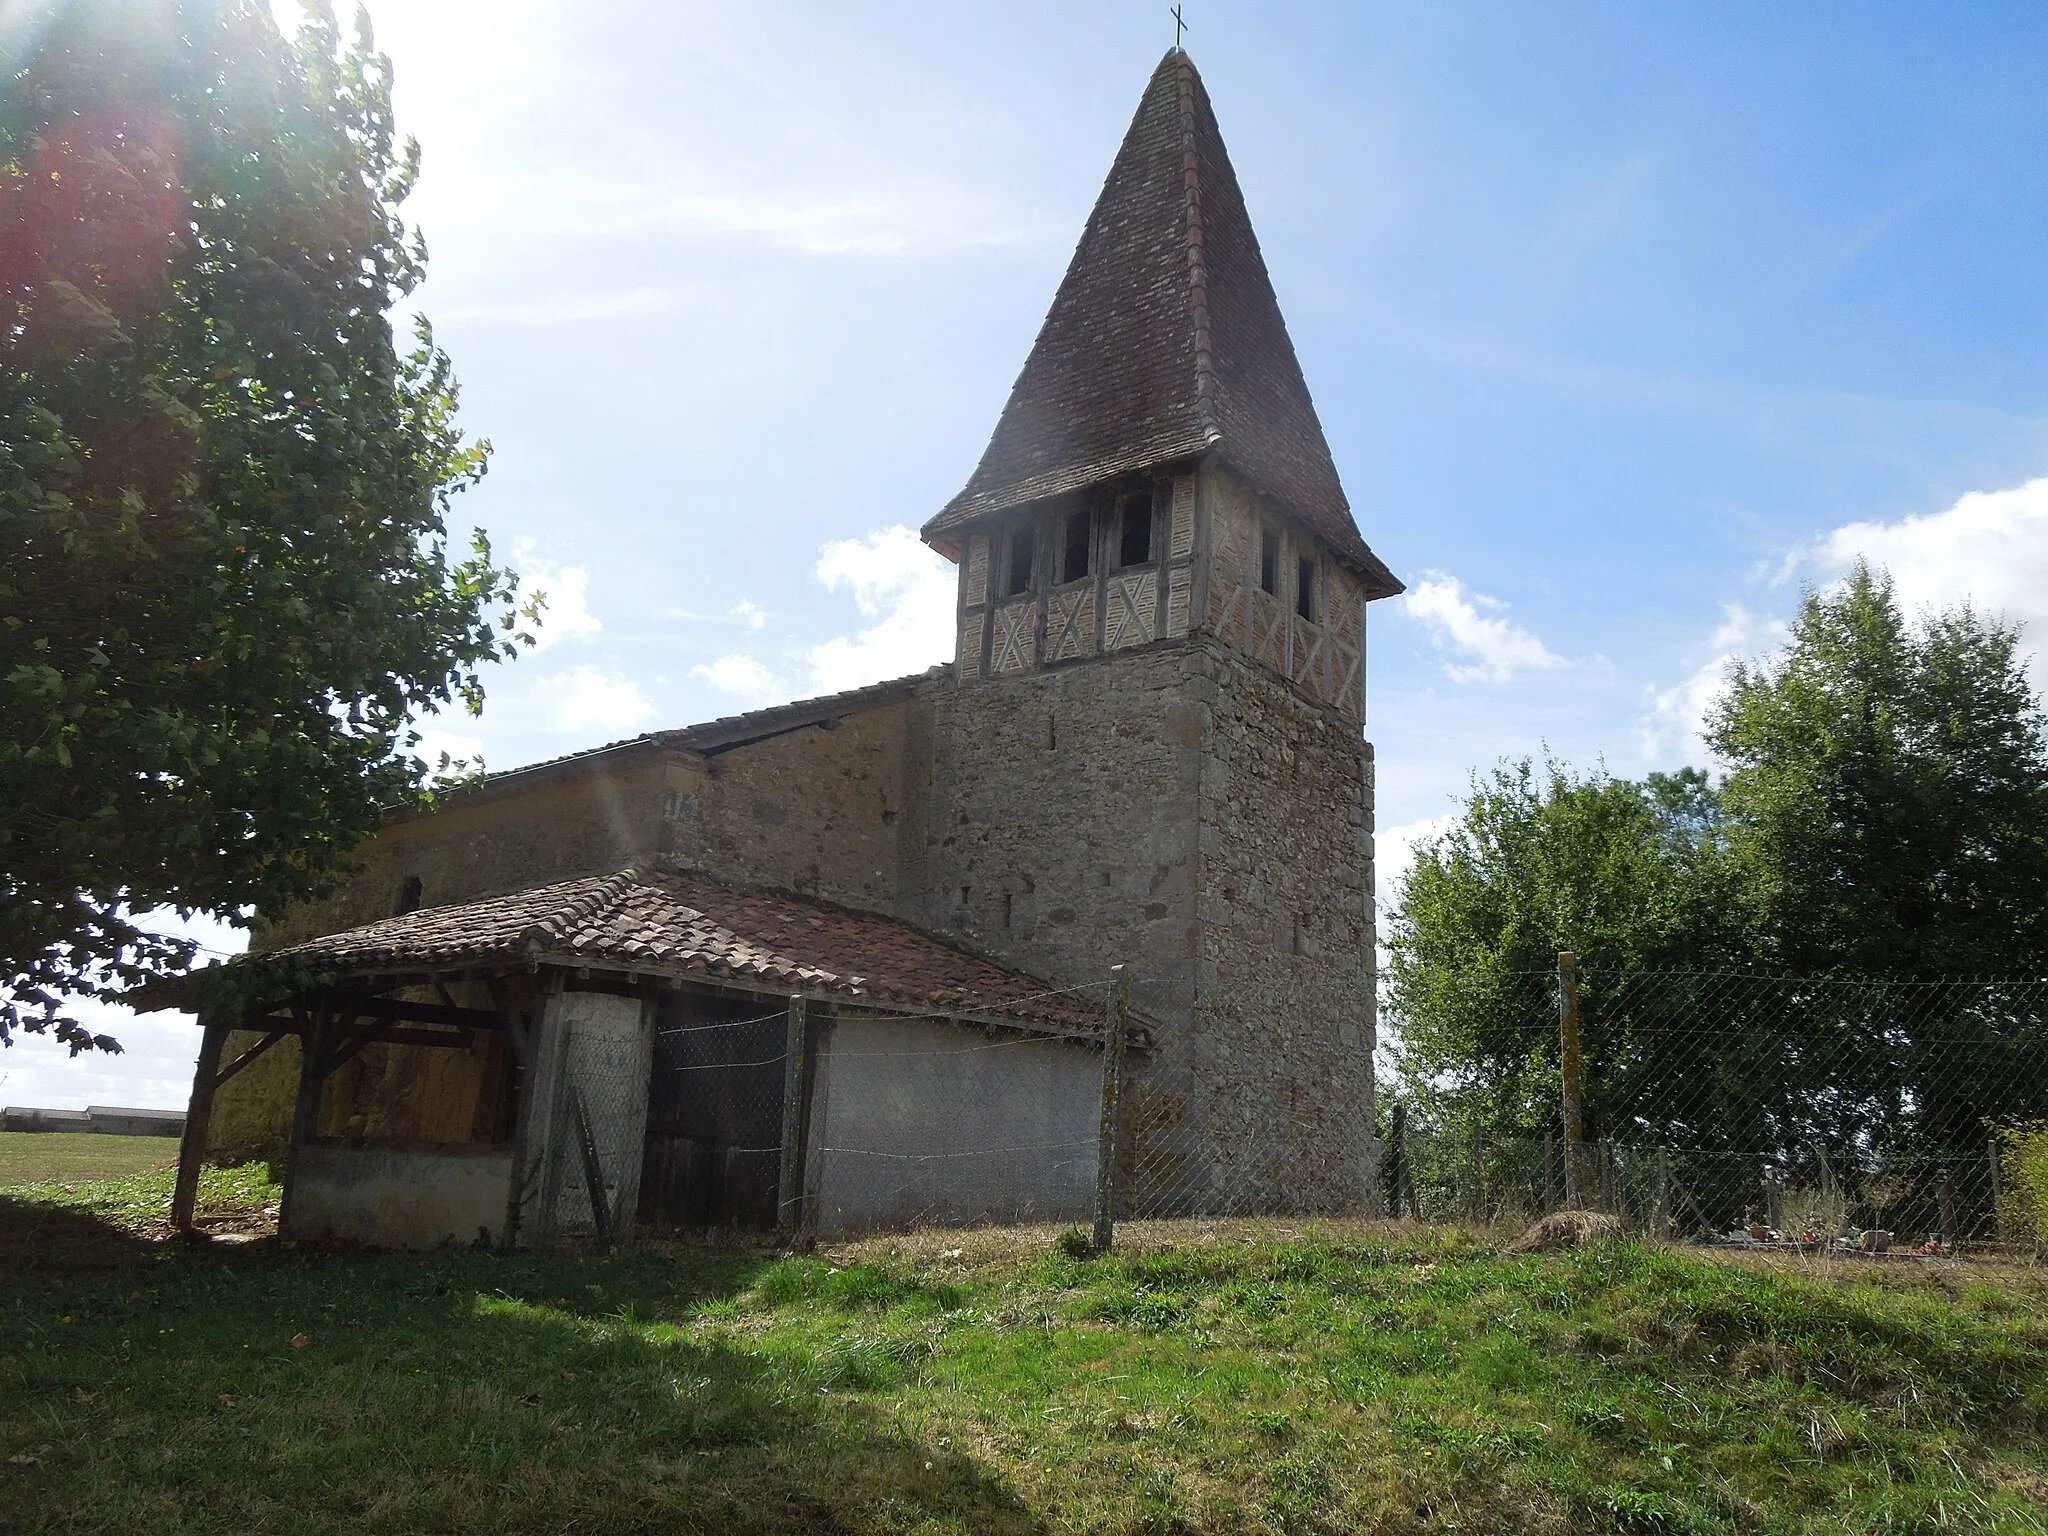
[[674, 924]]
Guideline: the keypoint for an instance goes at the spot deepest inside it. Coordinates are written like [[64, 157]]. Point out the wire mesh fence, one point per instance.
[[1747, 1107], [715, 1120], [843, 1120], [1732, 1106], [919, 1122]]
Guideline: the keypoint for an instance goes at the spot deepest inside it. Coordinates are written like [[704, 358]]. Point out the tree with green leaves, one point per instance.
[[226, 592], [1887, 791], [1628, 876], [1887, 805], [1773, 966]]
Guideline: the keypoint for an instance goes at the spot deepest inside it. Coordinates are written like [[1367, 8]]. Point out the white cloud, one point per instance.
[[1676, 717], [459, 747], [568, 309], [158, 1050], [1470, 624], [744, 678], [1990, 548], [905, 588], [1394, 853], [566, 615], [584, 697], [908, 589]]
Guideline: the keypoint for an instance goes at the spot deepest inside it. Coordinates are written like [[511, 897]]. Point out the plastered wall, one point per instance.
[[581, 819], [1324, 657], [916, 1121]]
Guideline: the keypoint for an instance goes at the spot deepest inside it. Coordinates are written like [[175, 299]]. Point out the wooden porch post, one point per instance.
[[198, 1115], [306, 1112], [789, 1189]]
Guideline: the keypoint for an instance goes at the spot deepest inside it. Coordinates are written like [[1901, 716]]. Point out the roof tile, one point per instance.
[[686, 923]]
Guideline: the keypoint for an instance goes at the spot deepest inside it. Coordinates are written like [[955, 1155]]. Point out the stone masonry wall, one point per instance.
[[583, 819], [1183, 810], [816, 810], [1284, 1028], [1058, 831]]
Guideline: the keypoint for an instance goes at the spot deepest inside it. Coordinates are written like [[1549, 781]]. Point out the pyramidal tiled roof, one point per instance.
[[1165, 341]]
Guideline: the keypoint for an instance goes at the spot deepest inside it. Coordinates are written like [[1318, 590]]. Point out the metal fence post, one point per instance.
[[789, 1197], [1570, 1069], [1113, 1024]]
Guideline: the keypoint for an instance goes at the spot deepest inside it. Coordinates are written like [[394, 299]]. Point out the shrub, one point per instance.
[[2023, 1200]]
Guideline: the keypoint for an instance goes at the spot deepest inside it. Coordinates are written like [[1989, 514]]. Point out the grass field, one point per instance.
[[35, 1156], [1365, 1377]]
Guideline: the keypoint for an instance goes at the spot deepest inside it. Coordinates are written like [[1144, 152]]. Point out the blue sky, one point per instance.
[[1623, 322]]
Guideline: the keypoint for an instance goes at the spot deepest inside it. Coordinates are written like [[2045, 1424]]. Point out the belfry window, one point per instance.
[[410, 895], [1017, 574], [1074, 557], [1305, 588], [1134, 537], [1269, 562]]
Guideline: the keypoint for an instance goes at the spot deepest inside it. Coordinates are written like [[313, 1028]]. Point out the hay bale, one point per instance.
[[1561, 1231]]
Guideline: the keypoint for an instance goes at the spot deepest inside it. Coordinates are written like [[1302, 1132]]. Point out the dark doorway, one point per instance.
[[714, 1115]]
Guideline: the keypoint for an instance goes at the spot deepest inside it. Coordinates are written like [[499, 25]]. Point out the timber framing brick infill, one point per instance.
[[544, 1005]]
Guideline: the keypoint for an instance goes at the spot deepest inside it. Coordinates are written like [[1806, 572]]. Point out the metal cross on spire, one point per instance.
[[1179, 26]]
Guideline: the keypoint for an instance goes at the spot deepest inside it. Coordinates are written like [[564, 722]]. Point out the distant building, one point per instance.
[[96, 1119], [1146, 750]]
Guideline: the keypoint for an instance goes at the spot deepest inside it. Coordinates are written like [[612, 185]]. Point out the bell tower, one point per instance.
[[1151, 749]]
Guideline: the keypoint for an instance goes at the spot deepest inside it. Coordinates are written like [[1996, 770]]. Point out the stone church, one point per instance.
[[1147, 750]]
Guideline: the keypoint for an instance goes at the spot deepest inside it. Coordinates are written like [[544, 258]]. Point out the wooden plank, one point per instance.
[[213, 1040], [389, 1010], [313, 1053], [518, 1027], [247, 1057]]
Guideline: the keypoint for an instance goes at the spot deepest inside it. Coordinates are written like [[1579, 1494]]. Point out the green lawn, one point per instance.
[[28, 1157], [1267, 1378]]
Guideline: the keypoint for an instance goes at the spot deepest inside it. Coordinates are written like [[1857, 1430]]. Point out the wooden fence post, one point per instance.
[[213, 1038], [789, 1205], [1661, 1215], [1400, 1188], [1570, 1069], [1113, 1025], [1478, 1175]]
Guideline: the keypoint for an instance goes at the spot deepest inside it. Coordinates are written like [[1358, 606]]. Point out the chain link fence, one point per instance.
[[1735, 1107], [1833, 1111]]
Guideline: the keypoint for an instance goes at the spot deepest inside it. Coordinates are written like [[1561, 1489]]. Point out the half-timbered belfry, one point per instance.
[[1147, 751]]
